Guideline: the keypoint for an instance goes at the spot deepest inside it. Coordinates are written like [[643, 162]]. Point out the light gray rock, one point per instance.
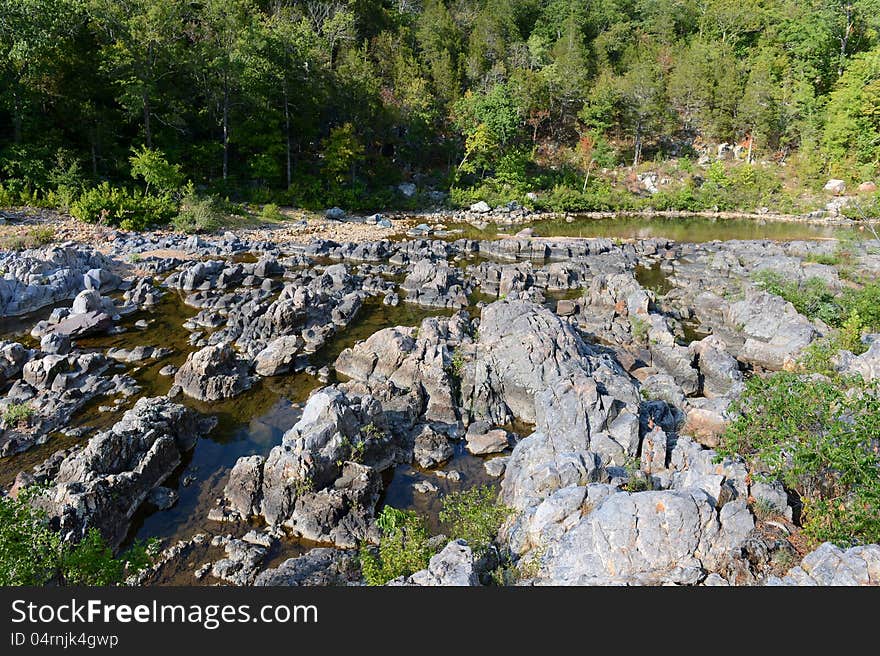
[[831, 565], [775, 333], [772, 496], [318, 567], [242, 562], [432, 448], [453, 566], [484, 442], [55, 344], [495, 466], [278, 355], [867, 365], [645, 538], [212, 374], [720, 370], [102, 485]]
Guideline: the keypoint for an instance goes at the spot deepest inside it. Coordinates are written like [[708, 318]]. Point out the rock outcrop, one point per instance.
[[102, 485], [213, 373]]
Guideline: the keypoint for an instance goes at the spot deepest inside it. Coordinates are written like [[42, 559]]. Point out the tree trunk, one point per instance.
[[287, 137], [94, 157], [587, 178], [844, 39], [225, 129], [16, 119], [637, 154], [148, 133]]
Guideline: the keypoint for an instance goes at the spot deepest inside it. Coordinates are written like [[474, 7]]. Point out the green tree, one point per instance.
[[643, 94], [153, 167], [142, 46], [342, 152], [852, 123]]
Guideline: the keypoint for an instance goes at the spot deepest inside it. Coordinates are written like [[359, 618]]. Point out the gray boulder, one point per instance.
[[432, 448], [213, 373], [318, 567], [453, 566], [646, 538], [103, 484], [831, 565], [278, 355]]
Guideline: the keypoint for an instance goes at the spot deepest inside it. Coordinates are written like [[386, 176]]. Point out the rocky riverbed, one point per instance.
[[254, 398]]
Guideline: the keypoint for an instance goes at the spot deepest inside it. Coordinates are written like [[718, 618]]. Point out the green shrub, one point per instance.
[[271, 213], [6, 197], [818, 436], [33, 238], [198, 214], [17, 414], [130, 210], [812, 298], [474, 516], [866, 303], [153, 167], [403, 548], [31, 553]]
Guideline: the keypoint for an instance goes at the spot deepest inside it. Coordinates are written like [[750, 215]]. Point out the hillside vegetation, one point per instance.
[[729, 104]]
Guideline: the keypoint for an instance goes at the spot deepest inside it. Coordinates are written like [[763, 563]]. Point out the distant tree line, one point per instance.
[[314, 101]]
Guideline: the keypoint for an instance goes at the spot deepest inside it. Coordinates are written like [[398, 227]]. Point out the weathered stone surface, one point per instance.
[[243, 491], [720, 370], [213, 373], [453, 566], [483, 441], [646, 538], [102, 485], [435, 284], [525, 350], [831, 565], [775, 332], [866, 365], [311, 484], [319, 567], [412, 360], [432, 448], [278, 355], [41, 277]]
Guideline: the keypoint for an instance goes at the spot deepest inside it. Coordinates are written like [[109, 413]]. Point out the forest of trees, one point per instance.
[[318, 102]]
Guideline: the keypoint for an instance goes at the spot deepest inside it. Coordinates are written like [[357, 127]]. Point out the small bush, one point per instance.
[[812, 298], [17, 415], [818, 436], [638, 328], [33, 238], [31, 553], [403, 548], [474, 516], [116, 206], [155, 170], [198, 214], [271, 213]]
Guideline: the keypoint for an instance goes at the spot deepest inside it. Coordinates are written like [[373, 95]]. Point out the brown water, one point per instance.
[[653, 278]]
